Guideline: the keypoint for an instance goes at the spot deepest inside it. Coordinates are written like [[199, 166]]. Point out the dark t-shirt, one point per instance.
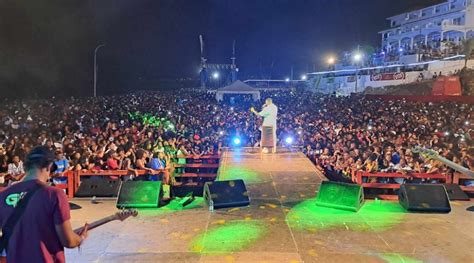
[[34, 238]]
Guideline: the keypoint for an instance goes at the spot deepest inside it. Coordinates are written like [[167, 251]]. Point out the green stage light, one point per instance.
[[340, 195], [174, 206], [397, 258], [373, 216], [233, 236], [234, 173]]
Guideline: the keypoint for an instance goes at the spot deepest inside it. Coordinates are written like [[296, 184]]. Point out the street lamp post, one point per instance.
[[95, 68], [357, 58]]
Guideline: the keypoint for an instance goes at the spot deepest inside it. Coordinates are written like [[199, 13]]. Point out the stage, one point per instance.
[[282, 224]]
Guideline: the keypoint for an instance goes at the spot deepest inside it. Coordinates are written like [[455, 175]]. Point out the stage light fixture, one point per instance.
[[236, 141], [357, 57]]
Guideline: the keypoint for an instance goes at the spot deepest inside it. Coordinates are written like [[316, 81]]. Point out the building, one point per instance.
[[419, 45], [430, 28]]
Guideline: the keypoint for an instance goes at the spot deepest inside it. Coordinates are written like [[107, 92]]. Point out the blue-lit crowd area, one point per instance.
[[339, 134]]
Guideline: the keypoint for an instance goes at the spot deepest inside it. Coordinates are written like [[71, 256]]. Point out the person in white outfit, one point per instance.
[[269, 113]]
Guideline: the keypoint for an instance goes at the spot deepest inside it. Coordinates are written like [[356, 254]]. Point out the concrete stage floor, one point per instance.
[[282, 224]]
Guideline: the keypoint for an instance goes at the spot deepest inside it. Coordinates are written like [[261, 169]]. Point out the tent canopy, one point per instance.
[[238, 87]]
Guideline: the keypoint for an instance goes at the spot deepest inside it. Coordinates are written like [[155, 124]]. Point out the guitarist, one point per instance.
[[34, 217]]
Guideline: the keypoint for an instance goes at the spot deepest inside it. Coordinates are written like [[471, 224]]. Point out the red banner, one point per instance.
[[387, 76]]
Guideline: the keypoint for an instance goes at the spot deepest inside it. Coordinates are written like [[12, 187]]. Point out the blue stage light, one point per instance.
[[289, 140], [236, 141]]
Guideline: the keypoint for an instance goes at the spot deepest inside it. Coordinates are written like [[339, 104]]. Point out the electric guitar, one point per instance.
[[430, 154], [121, 216]]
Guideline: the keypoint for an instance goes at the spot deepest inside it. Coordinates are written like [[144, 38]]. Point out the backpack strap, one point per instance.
[[6, 230]]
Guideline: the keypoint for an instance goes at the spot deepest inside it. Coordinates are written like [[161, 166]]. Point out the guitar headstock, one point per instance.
[[426, 153], [124, 214]]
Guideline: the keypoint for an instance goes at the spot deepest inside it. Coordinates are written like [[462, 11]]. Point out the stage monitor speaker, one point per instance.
[[223, 194], [430, 198], [139, 194], [98, 187], [456, 193], [340, 196]]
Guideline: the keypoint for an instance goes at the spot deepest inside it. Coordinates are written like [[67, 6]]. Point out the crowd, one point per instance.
[[151, 130]]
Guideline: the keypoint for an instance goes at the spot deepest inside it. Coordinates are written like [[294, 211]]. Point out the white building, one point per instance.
[[451, 21], [419, 45]]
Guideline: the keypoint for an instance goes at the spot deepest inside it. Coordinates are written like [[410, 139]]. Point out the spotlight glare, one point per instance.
[[303, 77], [357, 57], [331, 60], [215, 75], [446, 134], [221, 133], [289, 140], [287, 80], [466, 122], [236, 141]]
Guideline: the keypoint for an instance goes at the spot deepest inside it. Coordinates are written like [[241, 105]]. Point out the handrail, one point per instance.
[[77, 174], [192, 156], [361, 174]]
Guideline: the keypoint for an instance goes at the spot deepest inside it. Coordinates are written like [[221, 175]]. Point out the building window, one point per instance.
[[457, 21]]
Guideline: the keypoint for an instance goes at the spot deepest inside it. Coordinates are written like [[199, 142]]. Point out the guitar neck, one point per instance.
[[99, 222]]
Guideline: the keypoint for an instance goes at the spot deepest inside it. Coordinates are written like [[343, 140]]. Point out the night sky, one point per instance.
[[46, 47]]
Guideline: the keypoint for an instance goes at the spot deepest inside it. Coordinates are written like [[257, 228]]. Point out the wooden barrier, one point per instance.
[[445, 178], [458, 178], [196, 162], [69, 186], [119, 173], [192, 175]]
